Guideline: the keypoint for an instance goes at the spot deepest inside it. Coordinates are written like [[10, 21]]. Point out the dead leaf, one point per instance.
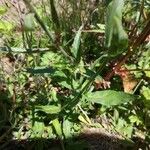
[[6, 65], [129, 83]]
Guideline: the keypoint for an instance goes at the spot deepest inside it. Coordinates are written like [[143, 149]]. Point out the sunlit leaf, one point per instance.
[[57, 127], [135, 119], [110, 97], [116, 37], [54, 60], [76, 44], [82, 119], [6, 26], [67, 125], [49, 109], [38, 129], [145, 91], [3, 10], [29, 24]]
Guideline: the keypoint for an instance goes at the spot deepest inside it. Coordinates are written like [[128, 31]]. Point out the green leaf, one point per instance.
[[54, 95], [65, 84], [144, 61], [124, 128], [51, 109], [82, 119], [116, 115], [57, 127], [54, 60], [54, 15], [110, 97], [145, 91], [38, 129], [40, 70], [116, 37], [76, 44], [135, 119], [3, 10], [128, 131], [101, 28], [67, 125], [6, 26], [29, 24]]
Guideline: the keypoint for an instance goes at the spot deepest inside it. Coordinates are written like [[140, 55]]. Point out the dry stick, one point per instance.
[[138, 41]]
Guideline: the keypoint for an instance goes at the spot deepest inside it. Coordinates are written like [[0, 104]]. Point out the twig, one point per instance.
[[137, 86], [86, 116]]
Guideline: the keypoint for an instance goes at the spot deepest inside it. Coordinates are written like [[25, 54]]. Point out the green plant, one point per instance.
[[60, 82]]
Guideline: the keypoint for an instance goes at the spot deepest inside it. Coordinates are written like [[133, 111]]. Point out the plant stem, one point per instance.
[[137, 42]]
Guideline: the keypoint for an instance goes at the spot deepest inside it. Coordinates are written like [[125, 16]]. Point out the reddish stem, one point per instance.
[[137, 42]]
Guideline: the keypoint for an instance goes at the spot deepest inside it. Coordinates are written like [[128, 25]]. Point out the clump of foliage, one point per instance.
[[74, 61]]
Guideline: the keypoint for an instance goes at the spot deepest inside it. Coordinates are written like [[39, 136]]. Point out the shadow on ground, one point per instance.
[[85, 141]]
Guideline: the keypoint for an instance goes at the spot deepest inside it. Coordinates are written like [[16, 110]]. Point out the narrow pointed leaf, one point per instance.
[[52, 109], [67, 125], [54, 14], [57, 127], [29, 24], [116, 39], [76, 44]]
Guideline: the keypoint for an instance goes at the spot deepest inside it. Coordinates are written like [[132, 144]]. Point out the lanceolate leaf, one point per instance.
[[116, 37], [57, 127], [67, 125], [40, 70], [29, 24], [110, 97], [76, 44], [51, 109], [54, 14]]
